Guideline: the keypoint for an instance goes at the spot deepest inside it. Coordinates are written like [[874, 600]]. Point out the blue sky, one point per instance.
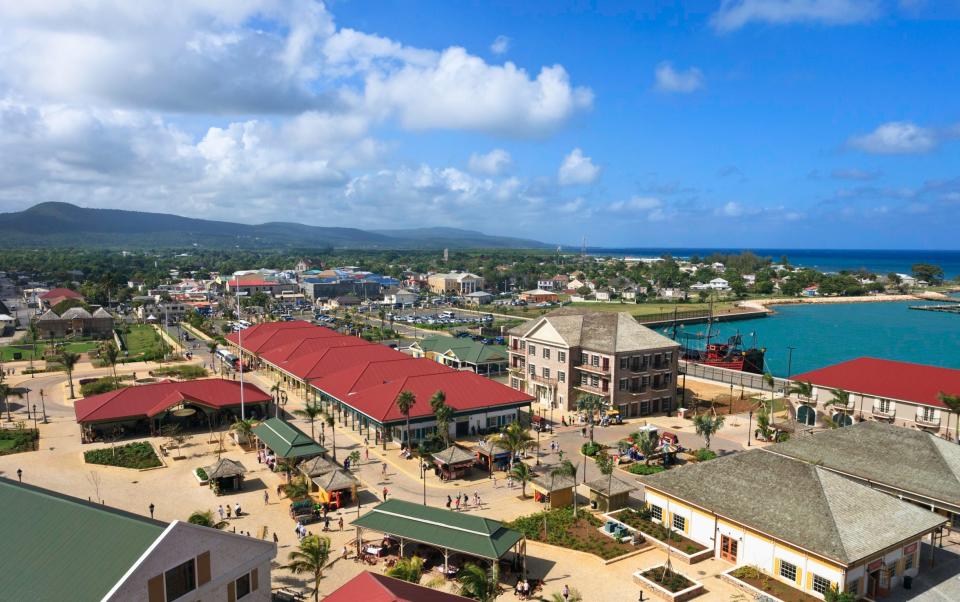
[[780, 123]]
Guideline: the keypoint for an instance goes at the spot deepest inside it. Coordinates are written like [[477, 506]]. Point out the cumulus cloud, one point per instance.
[[500, 45], [647, 207], [577, 169], [734, 14], [854, 174], [668, 79], [896, 137], [493, 163]]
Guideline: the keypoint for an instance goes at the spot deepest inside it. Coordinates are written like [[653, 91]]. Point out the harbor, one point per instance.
[[950, 308]]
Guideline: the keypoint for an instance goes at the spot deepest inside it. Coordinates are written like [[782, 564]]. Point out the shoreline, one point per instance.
[[766, 305]]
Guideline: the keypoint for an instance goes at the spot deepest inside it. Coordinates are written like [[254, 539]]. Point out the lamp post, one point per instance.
[[423, 477], [790, 361], [539, 428], [34, 416], [749, 426], [43, 407]]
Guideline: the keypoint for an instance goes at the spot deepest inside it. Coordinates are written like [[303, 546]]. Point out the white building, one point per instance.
[[400, 297]]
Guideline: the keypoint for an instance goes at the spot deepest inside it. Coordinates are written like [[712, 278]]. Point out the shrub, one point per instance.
[[185, 372], [202, 474], [590, 448], [17, 440], [704, 454], [101, 385], [668, 579], [643, 469], [131, 455]]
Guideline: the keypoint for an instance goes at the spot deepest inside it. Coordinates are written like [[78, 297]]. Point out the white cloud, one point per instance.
[[854, 174], [731, 209], [650, 208], [577, 169], [574, 206], [896, 137], [493, 163], [668, 79], [734, 14], [500, 45]]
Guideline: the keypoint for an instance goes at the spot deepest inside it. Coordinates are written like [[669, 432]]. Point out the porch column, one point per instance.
[[401, 547], [446, 559]]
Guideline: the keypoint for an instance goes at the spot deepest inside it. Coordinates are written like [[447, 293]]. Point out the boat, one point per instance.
[[730, 355]]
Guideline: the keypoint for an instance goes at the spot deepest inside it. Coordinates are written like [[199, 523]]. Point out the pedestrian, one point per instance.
[[366, 454], [344, 552], [449, 501], [220, 511], [340, 522], [326, 523], [236, 510], [276, 539], [229, 510], [266, 497], [383, 470], [279, 489], [494, 478], [476, 498], [457, 503], [583, 432], [385, 492], [560, 452], [566, 592], [466, 500]]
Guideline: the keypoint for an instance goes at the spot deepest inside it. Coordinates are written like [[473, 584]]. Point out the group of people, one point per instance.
[[228, 511], [267, 457], [464, 500], [523, 589]]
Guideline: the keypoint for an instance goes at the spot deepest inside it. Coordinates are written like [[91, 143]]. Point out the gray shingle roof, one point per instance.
[[225, 467], [799, 503], [317, 466], [615, 486], [454, 455], [76, 312], [605, 332], [48, 315], [907, 459], [101, 313], [335, 481], [550, 482]]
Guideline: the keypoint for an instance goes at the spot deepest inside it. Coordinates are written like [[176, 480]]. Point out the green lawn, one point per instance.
[[25, 350], [142, 340]]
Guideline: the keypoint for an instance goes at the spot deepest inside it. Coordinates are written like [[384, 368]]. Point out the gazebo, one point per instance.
[[333, 485], [448, 531], [453, 462], [286, 441], [490, 453], [609, 493], [314, 467], [226, 475], [556, 491]]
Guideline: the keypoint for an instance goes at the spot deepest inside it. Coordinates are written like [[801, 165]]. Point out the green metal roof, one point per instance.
[[64, 548], [286, 440], [466, 350], [454, 531]]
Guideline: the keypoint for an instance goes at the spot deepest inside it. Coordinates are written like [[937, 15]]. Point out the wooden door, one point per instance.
[[728, 549]]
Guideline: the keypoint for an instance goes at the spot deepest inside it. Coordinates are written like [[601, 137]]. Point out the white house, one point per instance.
[[400, 297], [719, 284]]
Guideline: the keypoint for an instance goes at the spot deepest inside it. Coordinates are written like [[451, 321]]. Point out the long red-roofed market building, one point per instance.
[[146, 409], [902, 393], [361, 381]]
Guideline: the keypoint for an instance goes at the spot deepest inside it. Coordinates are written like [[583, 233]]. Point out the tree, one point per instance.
[[835, 595], [32, 331], [648, 447], [568, 469], [516, 439], [478, 583], [205, 518], [707, 425], [953, 404], [311, 558], [801, 389], [575, 596], [605, 465], [176, 435], [6, 392], [297, 489], [69, 360], [405, 402], [521, 472], [443, 414], [243, 428], [407, 569], [310, 412], [354, 458], [932, 274], [109, 355], [328, 418], [275, 394], [840, 399], [591, 404]]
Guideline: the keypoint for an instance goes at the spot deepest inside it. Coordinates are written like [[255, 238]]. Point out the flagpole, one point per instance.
[[236, 291]]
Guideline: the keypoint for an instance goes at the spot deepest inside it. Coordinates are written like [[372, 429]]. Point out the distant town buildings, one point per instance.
[[460, 283], [75, 321]]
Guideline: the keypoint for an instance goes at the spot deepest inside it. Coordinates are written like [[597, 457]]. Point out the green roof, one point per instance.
[[466, 350], [454, 531], [286, 440], [64, 548]]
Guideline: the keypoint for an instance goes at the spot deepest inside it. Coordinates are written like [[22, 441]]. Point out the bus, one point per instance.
[[227, 357]]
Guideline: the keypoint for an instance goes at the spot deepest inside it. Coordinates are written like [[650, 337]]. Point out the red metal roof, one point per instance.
[[253, 282], [61, 293], [464, 391], [905, 381], [372, 587], [368, 374], [308, 346], [331, 360], [149, 400]]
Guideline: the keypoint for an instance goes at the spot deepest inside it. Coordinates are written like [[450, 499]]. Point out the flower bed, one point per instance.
[[753, 580], [582, 534], [132, 455], [638, 468], [591, 449], [668, 584], [201, 475], [685, 548]]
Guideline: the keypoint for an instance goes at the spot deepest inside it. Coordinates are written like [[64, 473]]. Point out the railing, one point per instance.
[[923, 420], [593, 369], [592, 389], [543, 380], [878, 411], [733, 377]]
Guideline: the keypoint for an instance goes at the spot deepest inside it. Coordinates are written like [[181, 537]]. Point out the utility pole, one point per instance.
[[236, 291], [790, 362]]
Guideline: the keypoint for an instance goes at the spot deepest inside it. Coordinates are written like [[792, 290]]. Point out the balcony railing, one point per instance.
[[888, 413], [543, 380], [593, 369], [592, 389], [927, 421]]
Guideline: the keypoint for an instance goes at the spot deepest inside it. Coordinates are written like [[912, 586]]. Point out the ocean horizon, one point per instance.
[[825, 260]]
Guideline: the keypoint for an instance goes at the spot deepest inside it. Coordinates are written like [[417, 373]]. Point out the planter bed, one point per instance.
[[139, 455], [678, 589], [13, 441], [688, 550], [754, 581], [583, 534], [201, 476]]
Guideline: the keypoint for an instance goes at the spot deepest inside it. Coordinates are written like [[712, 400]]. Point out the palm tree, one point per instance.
[[648, 447], [407, 569], [32, 331], [707, 426], [6, 392], [109, 356], [311, 558], [438, 400], [275, 393], [568, 469], [804, 390], [953, 404], [605, 465], [405, 402], [328, 418], [205, 518], [243, 428], [591, 404], [522, 473], [297, 489], [444, 416], [516, 439], [69, 360], [769, 381], [840, 399], [310, 412], [478, 583]]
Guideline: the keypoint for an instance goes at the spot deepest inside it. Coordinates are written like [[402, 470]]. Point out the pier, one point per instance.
[[950, 308]]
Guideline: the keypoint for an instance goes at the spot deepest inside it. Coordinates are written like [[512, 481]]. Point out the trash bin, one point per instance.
[[907, 582]]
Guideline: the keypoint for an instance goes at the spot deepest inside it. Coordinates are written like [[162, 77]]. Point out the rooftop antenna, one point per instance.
[[583, 248]]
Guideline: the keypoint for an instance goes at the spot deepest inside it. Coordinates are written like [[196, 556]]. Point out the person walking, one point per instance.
[[449, 501], [220, 511], [340, 522], [457, 503], [229, 510], [266, 497], [383, 470], [326, 523], [344, 552], [566, 592], [366, 454], [385, 492], [476, 499], [236, 510]]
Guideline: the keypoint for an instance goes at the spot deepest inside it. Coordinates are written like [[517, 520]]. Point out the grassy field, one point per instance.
[[25, 350], [142, 340]]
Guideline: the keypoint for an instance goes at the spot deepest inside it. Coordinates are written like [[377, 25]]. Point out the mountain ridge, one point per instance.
[[59, 224]]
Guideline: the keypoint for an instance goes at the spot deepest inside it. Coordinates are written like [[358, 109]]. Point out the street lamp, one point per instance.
[[423, 477], [43, 407], [34, 416], [749, 426], [790, 361]]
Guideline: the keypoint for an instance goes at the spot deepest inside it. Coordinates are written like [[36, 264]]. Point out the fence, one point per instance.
[[732, 377]]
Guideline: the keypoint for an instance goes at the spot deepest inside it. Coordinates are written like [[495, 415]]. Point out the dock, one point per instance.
[[949, 308]]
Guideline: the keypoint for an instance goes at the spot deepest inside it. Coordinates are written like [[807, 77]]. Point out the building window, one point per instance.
[[515, 383], [562, 357], [243, 586], [788, 571], [595, 360], [927, 414], [886, 406], [623, 384], [533, 370], [656, 512], [854, 587], [546, 372], [820, 584], [546, 353], [623, 363], [180, 580], [679, 523], [907, 562], [523, 344], [532, 349], [562, 376]]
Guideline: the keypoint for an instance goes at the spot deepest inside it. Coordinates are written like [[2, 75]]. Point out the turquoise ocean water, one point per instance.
[[827, 334]]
